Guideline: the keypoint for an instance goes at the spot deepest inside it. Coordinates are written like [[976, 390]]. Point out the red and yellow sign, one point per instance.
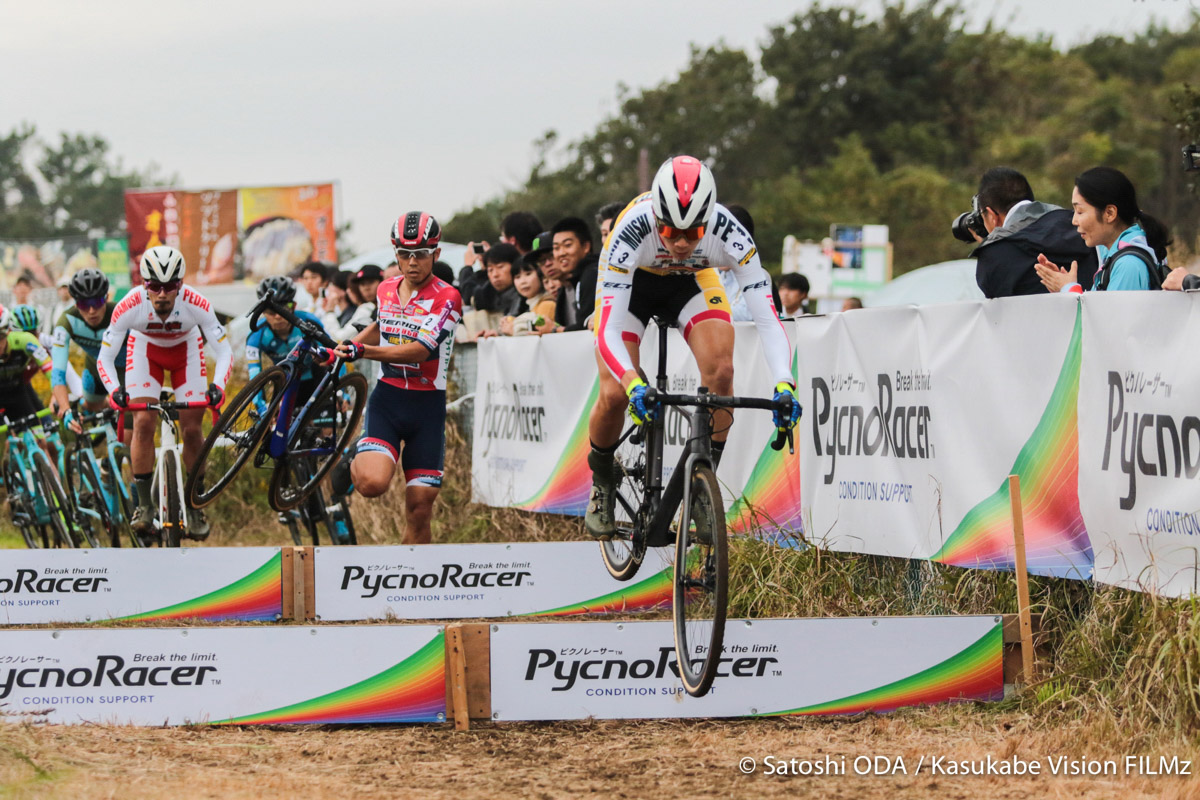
[[275, 229]]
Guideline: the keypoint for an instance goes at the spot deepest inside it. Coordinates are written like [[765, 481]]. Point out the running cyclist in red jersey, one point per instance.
[[406, 414], [661, 258], [164, 320]]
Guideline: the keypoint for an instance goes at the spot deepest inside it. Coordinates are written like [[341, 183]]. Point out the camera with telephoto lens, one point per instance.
[[969, 221], [1191, 158]]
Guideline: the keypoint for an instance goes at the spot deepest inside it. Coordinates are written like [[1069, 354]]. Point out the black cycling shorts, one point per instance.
[[414, 419]]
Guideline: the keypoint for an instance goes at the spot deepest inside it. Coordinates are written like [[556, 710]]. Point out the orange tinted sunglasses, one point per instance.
[[691, 234]]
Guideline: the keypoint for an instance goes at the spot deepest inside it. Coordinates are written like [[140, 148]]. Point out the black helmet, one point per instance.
[[87, 284], [280, 287]]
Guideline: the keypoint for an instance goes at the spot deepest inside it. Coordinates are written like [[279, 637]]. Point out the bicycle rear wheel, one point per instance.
[[701, 583], [623, 553], [235, 437], [324, 431]]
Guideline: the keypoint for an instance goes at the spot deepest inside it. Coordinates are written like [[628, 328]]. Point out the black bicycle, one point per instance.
[[687, 512]]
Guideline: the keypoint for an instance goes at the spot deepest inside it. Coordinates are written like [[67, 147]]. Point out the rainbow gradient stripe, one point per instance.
[[647, 595], [413, 690], [770, 501], [258, 596], [975, 673], [566, 490], [1056, 540]]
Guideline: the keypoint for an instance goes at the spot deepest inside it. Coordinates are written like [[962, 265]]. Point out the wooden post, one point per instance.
[[299, 583], [287, 583], [1018, 519], [456, 675]]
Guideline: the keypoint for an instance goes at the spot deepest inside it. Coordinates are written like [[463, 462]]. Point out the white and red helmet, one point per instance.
[[416, 230], [162, 263], [684, 193]]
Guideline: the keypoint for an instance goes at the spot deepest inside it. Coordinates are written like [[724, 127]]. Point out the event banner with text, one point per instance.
[[469, 581], [628, 670], [1139, 439], [245, 676], [531, 440], [212, 583], [915, 417]]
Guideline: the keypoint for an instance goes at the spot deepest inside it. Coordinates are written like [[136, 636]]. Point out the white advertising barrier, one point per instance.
[[1139, 439], [468, 581], [915, 417], [252, 675], [612, 670], [531, 441], [218, 583]]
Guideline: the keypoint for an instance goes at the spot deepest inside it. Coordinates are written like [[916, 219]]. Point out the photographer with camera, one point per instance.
[[1012, 229]]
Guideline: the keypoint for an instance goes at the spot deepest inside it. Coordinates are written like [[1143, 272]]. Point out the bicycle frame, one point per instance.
[[287, 423], [22, 440], [114, 490], [662, 502]]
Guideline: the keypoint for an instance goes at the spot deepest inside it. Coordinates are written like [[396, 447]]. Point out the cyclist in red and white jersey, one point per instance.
[[661, 258], [406, 414], [165, 321]]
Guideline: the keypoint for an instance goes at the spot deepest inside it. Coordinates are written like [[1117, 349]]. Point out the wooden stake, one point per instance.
[[456, 674], [299, 583], [1018, 519]]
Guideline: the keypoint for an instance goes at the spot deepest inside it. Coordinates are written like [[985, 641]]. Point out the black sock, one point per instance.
[[141, 488], [602, 460]]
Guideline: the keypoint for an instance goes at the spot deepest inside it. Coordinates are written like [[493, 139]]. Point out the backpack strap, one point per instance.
[[1157, 272]]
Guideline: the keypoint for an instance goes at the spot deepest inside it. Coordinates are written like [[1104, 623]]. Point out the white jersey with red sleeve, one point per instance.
[[135, 314], [429, 317], [634, 245]]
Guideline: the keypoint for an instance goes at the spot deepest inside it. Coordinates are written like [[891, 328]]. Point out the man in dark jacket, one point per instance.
[[1020, 228], [576, 267]]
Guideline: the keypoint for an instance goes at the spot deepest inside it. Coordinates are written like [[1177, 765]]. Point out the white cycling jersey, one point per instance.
[[135, 313], [634, 245]]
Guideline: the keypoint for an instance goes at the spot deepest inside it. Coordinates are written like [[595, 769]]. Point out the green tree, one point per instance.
[[79, 187]]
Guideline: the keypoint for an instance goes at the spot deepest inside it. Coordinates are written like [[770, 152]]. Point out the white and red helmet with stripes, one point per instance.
[[416, 230], [684, 193]]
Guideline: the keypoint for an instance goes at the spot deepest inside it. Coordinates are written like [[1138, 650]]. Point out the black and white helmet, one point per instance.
[[162, 264], [87, 284]]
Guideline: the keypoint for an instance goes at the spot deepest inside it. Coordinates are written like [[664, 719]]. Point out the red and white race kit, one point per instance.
[[158, 346], [429, 317]]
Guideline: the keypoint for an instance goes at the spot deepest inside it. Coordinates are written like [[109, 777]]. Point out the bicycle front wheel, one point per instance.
[[235, 437], [701, 583], [19, 506], [172, 525], [324, 431], [56, 506], [91, 505]]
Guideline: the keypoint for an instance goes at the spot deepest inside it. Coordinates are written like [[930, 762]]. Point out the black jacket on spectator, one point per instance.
[[577, 298], [469, 282], [1006, 257], [488, 299]]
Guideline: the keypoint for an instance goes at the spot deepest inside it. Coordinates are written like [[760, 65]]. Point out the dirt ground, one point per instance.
[[551, 760]]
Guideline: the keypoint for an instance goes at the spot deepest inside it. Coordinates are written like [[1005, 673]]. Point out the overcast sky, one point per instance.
[[431, 105]]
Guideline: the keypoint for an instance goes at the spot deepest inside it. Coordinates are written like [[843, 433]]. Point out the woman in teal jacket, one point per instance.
[[1131, 244]]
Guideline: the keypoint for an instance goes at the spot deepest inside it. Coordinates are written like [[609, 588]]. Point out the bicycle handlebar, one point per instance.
[[311, 330], [23, 423], [720, 401], [162, 407]]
